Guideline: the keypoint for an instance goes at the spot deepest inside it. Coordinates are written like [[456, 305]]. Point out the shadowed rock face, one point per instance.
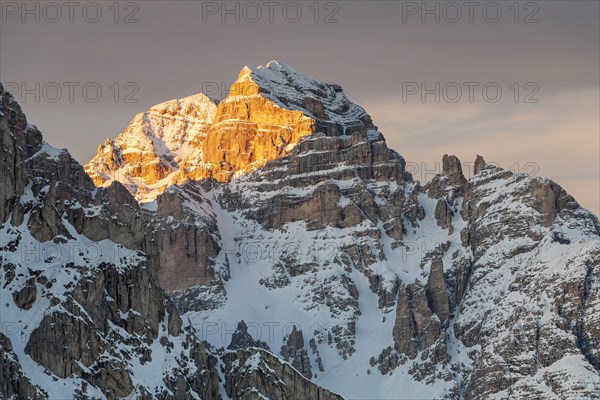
[[509, 222], [241, 339], [293, 351], [12, 380], [256, 374], [98, 304], [479, 165]]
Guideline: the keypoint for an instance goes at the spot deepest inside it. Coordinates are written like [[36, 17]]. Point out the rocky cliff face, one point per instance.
[[82, 313], [506, 293], [313, 234], [286, 225], [255, 374], [299, 133]]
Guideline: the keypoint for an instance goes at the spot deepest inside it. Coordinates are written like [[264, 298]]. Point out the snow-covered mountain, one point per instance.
[[81, 313], [293, 242], [475, 288]]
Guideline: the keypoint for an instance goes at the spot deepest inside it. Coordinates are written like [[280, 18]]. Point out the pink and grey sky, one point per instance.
[[542, 55]]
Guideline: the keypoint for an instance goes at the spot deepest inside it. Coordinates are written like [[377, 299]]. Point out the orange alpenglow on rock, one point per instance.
[[267, 112], [145, 157]]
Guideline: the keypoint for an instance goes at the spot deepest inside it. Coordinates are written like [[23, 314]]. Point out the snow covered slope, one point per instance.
[[491, 292]]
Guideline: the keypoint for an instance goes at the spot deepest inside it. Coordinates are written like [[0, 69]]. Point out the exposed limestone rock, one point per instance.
[[436, 291], [451, 168], [443, 214], [315, 351], [456, 282], [247, 131], [404, 327], [18, 142], [194, 264], [241, 339], [293, 350], [256, 374], [590, 326], [26, 296], [321, 209], [416, 327], [60, 343], [451, 177], [479, 165], [387, 293], [203, 379], [13, 384], [185, 253], [549, 200], [70, 342]]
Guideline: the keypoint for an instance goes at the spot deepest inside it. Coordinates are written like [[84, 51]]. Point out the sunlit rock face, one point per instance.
[[266, 114], [145, 157], [249, 129]]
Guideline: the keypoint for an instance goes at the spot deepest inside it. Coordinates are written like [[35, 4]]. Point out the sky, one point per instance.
[[516, 82]]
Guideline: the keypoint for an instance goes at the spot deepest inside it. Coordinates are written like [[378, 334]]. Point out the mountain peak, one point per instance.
[[292, 90], [277, 65], [272, 78], [244, 73], [186, 104], [273, 66], [268, 111]]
